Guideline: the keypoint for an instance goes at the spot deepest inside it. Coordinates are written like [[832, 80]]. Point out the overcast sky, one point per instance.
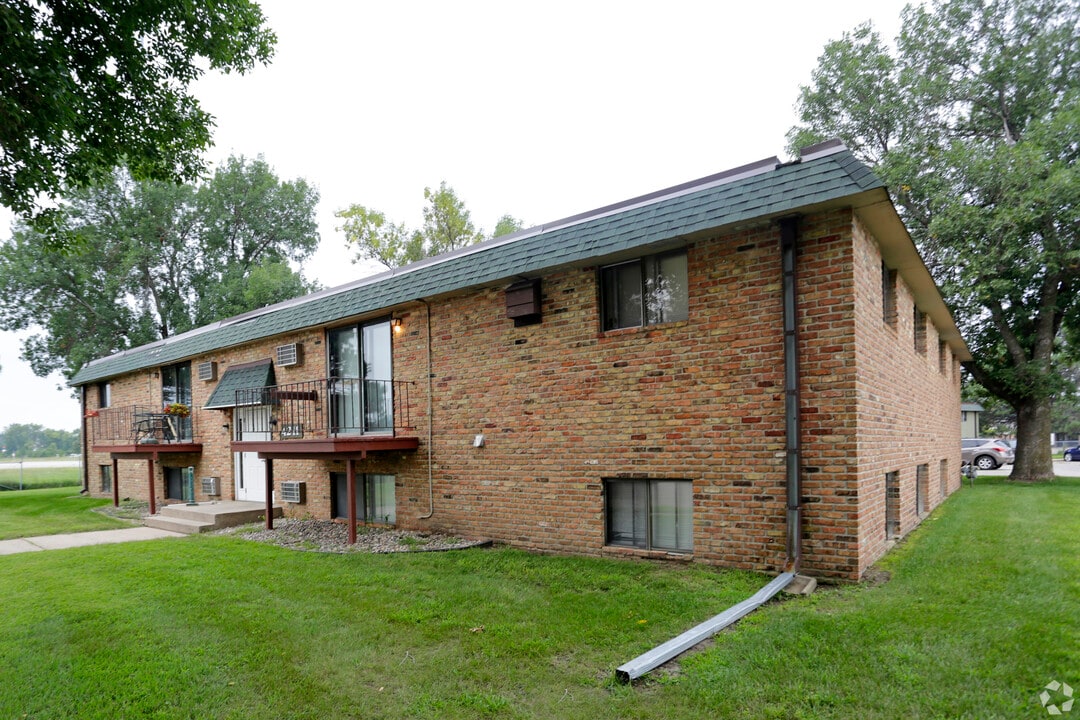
[[540, 111]]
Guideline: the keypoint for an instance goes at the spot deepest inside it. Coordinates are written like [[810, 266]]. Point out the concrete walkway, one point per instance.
[[70, 540]]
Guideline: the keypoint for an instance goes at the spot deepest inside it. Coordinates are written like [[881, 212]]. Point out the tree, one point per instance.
[[148, 260], [86, 87], [972, 124], [505, 225], [447, 226], [36, 441]]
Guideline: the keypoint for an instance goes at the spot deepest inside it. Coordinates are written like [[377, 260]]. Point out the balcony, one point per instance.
[[347, 417], [143, 431]]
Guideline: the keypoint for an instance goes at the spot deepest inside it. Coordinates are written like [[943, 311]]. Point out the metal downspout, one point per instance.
[[789, 233], [430, 421], [85, 444]]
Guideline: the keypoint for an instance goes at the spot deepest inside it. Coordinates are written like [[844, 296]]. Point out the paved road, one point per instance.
[[1062, 468]]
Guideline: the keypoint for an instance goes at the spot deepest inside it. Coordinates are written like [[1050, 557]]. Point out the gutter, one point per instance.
[[430, 421], [789, 235], [676, 646], [85, 444]]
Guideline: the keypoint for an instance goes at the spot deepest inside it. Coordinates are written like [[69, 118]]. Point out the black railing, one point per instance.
[[141, 425], [324, 408]]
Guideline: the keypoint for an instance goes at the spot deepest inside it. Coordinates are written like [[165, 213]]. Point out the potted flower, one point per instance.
[[177, 410]]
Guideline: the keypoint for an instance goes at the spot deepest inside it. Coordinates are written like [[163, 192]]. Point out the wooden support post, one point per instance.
[[269, 494], [150, 478], [350, 483], [115, 482]]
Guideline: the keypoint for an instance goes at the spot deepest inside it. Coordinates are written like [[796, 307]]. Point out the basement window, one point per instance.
[[374, 498], [922, 487], [892, 505], [650, 514], [645, 291]]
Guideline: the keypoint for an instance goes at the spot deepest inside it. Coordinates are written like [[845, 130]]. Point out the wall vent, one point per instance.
[[208, 371], [288, 355], [211, 486], [293, 491], [523, 302]]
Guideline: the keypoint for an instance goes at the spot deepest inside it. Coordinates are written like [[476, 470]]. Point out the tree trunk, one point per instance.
[[1034, 459]]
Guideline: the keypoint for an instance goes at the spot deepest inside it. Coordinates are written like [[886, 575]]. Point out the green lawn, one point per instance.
[[981, 612], [36, 477], [26, 513]]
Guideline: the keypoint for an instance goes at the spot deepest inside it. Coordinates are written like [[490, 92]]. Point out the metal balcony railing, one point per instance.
[[325, 408], [141, 425]]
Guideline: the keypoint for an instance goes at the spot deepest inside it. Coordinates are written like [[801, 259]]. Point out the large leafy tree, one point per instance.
[[973, 123], [36, 441], [86, 87], [447, 226], [148, 260]]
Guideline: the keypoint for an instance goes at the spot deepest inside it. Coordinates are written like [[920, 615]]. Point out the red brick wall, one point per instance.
[[908, 410], [564, 406]]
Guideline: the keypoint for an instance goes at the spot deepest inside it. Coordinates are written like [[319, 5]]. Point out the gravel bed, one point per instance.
[[327, 536], [131, 510]]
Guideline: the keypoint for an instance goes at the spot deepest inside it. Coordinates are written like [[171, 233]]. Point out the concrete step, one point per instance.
[[218, 515], [177, 524]]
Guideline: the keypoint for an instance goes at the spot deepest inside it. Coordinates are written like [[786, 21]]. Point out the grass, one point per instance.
[[981, 613], [34, 477], [48, 511]]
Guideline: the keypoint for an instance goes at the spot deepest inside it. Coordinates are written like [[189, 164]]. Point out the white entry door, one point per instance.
[[248, 470]]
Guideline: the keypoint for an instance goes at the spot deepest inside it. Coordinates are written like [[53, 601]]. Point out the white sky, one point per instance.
[[540, 111]]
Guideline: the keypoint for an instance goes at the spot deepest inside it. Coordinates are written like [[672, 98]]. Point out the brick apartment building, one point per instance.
[[753, 370]]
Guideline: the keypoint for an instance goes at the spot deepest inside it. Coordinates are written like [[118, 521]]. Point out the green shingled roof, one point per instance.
[[249, 375], [824, 174]]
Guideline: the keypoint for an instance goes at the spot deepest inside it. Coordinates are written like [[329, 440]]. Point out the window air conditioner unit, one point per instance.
[[211, 486], [208, 371], [293, 491], [288, 355]]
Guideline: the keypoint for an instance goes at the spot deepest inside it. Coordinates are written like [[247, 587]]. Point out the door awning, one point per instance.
[[256, 374]]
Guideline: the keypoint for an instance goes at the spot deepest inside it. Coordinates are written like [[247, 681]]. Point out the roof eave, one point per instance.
[[898, 250]]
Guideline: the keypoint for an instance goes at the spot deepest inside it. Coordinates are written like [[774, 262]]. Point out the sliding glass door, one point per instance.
[[361, 391]]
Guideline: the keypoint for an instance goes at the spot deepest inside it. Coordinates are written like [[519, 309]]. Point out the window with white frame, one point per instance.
[[650, 514], [645, 291]]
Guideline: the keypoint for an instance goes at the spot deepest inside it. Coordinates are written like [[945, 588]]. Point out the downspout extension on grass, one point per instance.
[[676, 646]]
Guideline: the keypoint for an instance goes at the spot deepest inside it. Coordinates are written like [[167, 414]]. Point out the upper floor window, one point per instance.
[[888, 294], [176, 384], [645, 291], [104, 394], [176, 388], [919, 320]]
